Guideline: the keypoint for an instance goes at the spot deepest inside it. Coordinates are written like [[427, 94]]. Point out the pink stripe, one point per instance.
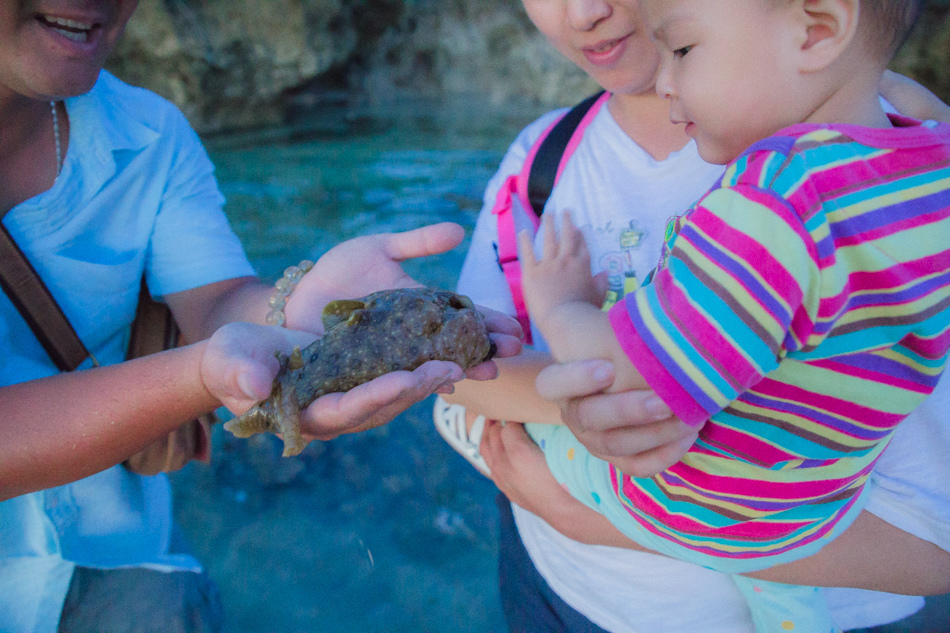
[[752, 532], [666, 387], [835, 406], [753, 254], [931, 348], [739, 443], [759, 489], [654, 512], [898, 275], [707, 337]]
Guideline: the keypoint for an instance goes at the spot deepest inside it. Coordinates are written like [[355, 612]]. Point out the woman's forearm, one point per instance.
[[62, 428], [871, 554]]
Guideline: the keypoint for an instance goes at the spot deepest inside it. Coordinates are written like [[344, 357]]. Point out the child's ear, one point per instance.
[[826, 29]]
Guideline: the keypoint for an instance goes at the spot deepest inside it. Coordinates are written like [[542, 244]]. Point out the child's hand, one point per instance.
[[563, 273]]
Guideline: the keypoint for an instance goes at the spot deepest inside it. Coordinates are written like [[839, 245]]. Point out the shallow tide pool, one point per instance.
[[387, 530]]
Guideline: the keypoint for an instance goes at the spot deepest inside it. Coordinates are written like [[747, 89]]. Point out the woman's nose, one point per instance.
[[664, 80], [586, 14]]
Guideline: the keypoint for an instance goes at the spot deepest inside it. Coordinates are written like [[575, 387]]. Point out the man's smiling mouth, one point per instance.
[[70, 29]]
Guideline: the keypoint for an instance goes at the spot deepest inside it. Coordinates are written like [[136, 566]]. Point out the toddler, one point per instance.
[[798, 309]]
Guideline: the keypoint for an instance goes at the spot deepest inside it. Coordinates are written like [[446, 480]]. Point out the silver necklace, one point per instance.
[[59, 148]]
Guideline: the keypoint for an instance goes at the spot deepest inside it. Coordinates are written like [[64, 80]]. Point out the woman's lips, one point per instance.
[[606, 52]]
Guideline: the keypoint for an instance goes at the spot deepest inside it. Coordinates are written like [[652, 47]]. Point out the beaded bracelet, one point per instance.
[[284, 286]]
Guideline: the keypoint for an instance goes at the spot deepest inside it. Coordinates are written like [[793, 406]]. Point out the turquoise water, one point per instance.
[[387, 530]]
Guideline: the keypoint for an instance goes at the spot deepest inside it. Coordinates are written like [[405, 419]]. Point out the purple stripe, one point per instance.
[[826, 420], [884, 297], [825, 248], [776, 310], [887, 366], [756, 503], [662, 357], [884, 216], [780, 144]]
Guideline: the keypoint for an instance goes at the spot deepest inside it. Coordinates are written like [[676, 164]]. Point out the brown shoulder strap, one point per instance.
[[154, 328], [21, 283]]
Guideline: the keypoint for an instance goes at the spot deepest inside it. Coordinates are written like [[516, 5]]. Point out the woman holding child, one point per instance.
[[617, 590]]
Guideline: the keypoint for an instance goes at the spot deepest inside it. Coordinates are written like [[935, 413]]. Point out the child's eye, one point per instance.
[[681, 52]]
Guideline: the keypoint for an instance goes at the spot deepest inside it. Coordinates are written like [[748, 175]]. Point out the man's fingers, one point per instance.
[[574, 380], [485, 371], [376, 402], [424, 241], [500, 323]]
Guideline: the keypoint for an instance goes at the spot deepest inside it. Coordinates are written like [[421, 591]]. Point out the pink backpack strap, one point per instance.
[[524, 186], [508, 249]]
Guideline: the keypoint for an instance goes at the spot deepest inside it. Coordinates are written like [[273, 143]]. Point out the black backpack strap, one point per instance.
[[548, 158]]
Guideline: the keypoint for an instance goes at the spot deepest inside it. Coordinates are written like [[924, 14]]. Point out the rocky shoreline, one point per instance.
[[233, 64]]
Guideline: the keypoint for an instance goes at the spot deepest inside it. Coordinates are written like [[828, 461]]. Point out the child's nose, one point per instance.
[[585, 14]]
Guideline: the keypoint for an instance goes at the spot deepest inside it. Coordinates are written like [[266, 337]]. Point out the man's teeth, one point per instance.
[[71, 29], [69, 24]]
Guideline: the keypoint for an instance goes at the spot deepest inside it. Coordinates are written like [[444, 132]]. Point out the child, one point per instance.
[[630, 172], [798, 306]]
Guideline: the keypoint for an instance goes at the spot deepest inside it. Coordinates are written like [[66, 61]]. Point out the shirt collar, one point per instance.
[[105, 120]]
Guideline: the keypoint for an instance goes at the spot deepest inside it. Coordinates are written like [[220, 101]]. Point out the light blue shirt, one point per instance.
[[136, 194]]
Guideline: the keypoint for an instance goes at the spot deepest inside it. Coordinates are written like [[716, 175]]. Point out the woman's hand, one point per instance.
[[520, 471], [634, 430], [912, 99]]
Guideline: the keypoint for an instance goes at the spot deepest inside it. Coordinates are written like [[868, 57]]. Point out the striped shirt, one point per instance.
[[800, 309]]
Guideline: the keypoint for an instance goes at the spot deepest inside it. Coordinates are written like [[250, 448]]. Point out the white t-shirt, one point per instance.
[[621, 198], [136, 193]]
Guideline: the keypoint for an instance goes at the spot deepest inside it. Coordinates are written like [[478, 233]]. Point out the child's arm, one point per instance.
[[512, 395], [564, 302]]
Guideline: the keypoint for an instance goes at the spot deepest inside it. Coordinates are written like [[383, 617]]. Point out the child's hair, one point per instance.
[[891, 22]]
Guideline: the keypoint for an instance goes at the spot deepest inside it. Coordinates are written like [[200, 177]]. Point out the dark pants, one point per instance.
[[139, 600], [529, 603]]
